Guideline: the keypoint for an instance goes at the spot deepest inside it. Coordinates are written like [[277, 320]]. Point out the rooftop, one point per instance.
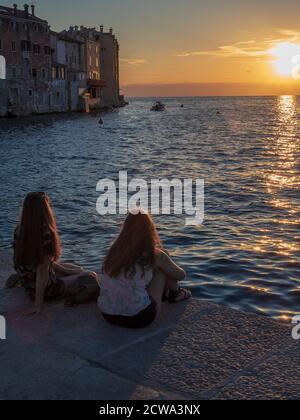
[[23, 14], [65, 37]]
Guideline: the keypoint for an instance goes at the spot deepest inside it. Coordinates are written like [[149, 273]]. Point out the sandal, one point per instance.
[[179, 296]]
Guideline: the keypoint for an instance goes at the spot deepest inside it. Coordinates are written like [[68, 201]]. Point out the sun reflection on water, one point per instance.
[[283, 173], [280, 174]]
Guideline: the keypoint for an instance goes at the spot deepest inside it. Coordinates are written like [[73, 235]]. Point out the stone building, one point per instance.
[[109, 65], [108, 54], [25, 45], [46, 71], [92, 65], [68, 76]]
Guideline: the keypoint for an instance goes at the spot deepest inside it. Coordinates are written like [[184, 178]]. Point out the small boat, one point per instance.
[[158, 107]]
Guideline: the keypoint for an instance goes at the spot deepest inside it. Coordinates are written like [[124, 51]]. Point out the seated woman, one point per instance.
[[136, 273], [37, 251]]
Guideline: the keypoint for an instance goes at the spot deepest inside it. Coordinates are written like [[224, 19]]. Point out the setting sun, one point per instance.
[[287, 59]]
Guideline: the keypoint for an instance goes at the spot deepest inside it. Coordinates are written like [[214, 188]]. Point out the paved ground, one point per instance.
[[196, 350]]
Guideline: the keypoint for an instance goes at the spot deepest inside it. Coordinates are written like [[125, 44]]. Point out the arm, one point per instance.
[[168, 266], [42, 278]]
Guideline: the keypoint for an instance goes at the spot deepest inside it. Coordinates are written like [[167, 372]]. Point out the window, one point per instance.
[[34, 73], [36, 49], [1, 45], [13, 46], [43, 73], [47, 50], [14, 93], [21, 72], [95, 93], [53, 73], [25, 46], [30, 93], [14, 72]]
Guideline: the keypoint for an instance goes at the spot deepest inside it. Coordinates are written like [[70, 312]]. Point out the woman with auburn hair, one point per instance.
[[37, 250], [136, 273]]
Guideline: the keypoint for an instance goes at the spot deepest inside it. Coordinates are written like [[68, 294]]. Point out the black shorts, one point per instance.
[[140, 320]]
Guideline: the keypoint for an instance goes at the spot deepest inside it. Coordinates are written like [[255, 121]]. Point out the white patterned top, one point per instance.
[[125, 296]]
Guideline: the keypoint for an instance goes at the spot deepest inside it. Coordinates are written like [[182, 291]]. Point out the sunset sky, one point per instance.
[[211, 47]]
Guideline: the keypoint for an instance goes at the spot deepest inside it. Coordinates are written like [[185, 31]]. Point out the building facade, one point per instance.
[[68, 76], [92, 65], [46, 71], [25, 45], [109, 59], [107, 51]]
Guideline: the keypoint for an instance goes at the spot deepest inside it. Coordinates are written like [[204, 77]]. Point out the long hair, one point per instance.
[[37, 221], [136, 244]]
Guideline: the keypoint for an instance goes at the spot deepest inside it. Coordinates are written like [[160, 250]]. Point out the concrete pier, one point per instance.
[[195, 350]]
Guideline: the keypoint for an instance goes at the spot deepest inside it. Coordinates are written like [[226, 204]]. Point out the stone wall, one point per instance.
[[3, 98]]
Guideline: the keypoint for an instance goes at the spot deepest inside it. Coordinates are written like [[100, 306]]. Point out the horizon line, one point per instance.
[[210, 89], [214, 96]]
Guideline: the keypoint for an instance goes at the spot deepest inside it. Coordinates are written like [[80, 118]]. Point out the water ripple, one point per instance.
[[246, 255]]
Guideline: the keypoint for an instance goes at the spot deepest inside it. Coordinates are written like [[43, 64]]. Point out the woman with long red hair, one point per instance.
[[137, 272], [37, 249]]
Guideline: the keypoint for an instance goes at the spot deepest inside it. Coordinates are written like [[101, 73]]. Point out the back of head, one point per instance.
[[136, 244], [37, 221]]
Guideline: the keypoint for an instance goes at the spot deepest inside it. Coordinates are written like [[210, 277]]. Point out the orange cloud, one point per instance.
[[259, 49], [133, 61]]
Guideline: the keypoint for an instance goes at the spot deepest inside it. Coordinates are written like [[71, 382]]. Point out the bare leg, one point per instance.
[[172, 284], [87, 278], [156, 287], [66, 269]]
